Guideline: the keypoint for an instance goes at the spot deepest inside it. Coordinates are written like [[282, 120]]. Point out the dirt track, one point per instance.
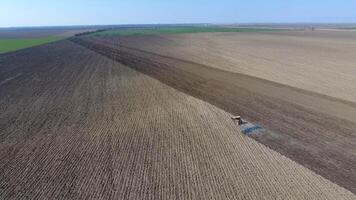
[[76, 125], [324, 143]]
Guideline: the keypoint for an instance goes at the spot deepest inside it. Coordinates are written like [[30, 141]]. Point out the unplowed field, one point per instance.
[[313, 129], [77, 125]]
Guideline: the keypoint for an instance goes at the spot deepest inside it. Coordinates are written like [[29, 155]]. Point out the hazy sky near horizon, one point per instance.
[[89, 12]]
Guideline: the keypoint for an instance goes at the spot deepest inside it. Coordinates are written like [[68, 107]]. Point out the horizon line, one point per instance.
[[179, 24]]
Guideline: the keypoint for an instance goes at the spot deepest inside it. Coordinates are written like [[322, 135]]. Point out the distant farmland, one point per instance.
[[13, 39], [145, 113], [7, 45], [177, 30]]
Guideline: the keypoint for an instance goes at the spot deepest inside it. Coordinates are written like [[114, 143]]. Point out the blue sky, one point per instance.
[[89, 12]]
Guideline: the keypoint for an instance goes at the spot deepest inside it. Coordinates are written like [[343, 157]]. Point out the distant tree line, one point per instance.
[[90, 32]]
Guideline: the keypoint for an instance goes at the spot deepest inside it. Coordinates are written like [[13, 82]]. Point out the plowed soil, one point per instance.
[[318, 61], [316, 130], [77, 125]]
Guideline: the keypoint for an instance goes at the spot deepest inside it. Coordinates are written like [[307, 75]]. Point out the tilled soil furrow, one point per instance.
[[96, 129], [324, 143]]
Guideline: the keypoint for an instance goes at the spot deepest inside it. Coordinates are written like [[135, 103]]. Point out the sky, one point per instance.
[[14, 13]]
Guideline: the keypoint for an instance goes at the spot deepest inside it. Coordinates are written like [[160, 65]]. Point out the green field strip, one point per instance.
[[8, 45], [177, 30]]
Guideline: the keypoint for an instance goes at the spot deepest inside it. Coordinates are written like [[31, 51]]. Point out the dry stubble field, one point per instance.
[[77, 125]]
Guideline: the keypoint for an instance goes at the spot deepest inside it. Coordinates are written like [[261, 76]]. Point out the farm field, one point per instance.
[[16, 39], [77, 125], [318, 61], [8, 45], [42, 32], [21, 38], [178, 30], [303, 122]]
